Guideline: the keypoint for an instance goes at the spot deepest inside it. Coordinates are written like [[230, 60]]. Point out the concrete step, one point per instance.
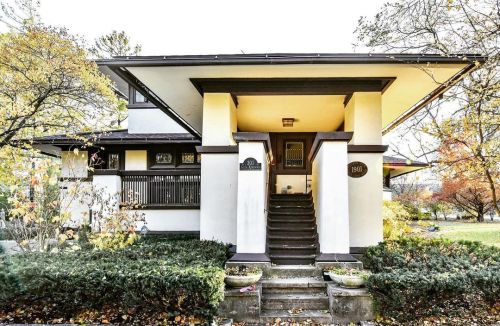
[[295, 259], [296, 249], [293, 271], [293, 285], [291, 239], [314, 301], [315, 316]]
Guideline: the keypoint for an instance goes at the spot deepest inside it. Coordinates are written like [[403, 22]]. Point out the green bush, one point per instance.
[[183, 277], [412, 277]]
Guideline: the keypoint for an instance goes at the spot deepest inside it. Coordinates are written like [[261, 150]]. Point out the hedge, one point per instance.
[[413, 277], [184, 277]]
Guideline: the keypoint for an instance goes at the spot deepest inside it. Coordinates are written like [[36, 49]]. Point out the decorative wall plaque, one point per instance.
[[250, 164], [356, 169]]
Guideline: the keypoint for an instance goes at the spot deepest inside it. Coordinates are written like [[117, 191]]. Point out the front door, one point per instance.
[[291, 171]]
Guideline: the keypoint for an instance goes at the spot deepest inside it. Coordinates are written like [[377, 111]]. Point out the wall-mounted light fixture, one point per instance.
[[288, 122]]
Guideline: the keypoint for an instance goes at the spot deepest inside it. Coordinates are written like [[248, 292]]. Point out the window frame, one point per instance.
[[287, 141]]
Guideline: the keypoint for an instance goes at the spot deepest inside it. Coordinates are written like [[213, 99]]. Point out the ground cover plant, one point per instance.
[[156, 281], [417, 278]]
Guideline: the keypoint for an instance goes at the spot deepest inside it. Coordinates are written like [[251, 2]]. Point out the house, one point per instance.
[[278, 154]]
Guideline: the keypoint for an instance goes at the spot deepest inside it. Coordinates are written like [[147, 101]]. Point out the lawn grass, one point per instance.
[[485, 232]]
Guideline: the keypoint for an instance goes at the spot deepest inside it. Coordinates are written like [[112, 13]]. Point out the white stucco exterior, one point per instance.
[[144, 121], [219, 192], [365, 202], [331, 197], [252, 200], [174, 220]]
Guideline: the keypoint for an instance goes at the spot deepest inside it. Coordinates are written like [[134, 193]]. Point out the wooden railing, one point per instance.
[[161, 189]]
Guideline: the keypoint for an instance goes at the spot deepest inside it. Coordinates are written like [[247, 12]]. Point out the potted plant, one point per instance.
[[241, 276], [348, 277]]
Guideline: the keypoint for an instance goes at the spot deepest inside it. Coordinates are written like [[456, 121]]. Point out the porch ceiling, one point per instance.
[[311, 112], [414, 82]]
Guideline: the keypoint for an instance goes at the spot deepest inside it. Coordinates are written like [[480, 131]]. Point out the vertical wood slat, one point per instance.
[[161, 190]]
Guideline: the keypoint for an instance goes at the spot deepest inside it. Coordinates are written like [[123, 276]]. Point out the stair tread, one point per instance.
[[302, 282], [295, 296], [292, 246], [278, 256], [286, 314], [294, 228]]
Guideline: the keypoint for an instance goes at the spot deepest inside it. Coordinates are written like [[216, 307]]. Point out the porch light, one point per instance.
[[288, 122]]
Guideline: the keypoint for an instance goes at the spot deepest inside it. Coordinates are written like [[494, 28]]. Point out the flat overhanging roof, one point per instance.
[[173, 82]]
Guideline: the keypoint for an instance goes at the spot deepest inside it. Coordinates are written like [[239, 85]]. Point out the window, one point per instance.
[[114, 161], [198, 158], [164, 158], [294, 154], [139, 98], [187, 158]]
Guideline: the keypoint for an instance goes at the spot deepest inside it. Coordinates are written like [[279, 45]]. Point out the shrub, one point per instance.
[[414, 276], [395, 216], [178, 277]]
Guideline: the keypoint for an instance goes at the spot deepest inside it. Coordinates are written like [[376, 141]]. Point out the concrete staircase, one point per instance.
[[291, 229], [294, 293]]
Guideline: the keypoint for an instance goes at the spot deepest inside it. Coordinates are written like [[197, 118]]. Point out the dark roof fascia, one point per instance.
[[154, 99], [288, 58]]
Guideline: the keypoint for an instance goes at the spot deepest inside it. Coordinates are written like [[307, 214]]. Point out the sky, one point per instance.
[[219, 26]]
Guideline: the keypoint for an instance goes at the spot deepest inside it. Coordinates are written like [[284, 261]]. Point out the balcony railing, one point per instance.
[[161, 189]]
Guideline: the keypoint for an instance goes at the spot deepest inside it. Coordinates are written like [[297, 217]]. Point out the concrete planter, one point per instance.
[[348, 281], [236, 281]]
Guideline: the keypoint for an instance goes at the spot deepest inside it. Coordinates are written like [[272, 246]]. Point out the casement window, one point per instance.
[[164, 158], [294, 154], [113, 161], [139, 98], [188, 158]]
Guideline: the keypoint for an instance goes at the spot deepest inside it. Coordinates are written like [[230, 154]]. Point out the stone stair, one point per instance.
[[291, 229], [294, 293]]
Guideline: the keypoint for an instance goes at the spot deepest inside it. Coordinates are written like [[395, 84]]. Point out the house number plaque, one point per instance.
[[250, 164], [356, 169]]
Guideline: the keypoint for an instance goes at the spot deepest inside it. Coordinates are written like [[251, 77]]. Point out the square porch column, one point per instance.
[[219, 172], [331, 193], [253, 179]]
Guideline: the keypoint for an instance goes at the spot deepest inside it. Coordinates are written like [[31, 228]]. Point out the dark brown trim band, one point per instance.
[[291, 86], [289, 58], [164, 207], [255, 137], [367, 148], [73, 179], [328, 136], [217, 149]]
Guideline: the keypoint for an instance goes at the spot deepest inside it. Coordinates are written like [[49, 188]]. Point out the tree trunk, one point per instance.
[[480, 216]]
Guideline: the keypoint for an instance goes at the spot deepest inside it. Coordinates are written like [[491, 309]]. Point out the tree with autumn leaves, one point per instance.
[[459, 134]]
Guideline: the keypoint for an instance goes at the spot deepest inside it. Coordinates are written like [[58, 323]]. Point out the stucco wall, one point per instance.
[[219, 191], [252, 200], [330, 193], [136, 160], [364, 116], [171, 219], [365, 202], [141, 121], [219, 119]]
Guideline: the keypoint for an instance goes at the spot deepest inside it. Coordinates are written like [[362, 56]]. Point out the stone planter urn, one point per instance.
[[351, 279], [241, 276], [237, 281]]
